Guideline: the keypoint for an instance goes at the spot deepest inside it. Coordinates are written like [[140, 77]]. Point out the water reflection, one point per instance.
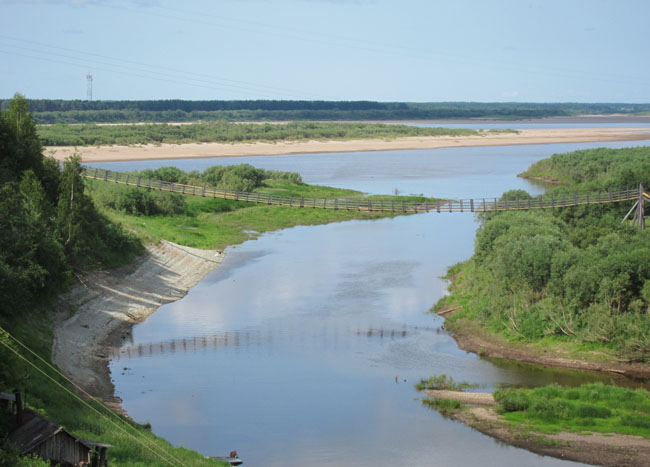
[[303, 347]]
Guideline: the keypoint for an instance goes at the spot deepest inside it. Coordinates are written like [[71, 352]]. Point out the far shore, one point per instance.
[[208, 150]]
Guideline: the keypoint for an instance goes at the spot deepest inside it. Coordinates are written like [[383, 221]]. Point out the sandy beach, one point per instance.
[[204, 150]]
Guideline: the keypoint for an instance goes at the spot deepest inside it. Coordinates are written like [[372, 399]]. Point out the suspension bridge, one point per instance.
[[391, 205]]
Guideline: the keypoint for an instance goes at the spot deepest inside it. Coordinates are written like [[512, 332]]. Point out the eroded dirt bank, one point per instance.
[[95, 315]]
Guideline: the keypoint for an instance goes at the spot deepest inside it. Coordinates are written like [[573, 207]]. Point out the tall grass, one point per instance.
[[593, 407]]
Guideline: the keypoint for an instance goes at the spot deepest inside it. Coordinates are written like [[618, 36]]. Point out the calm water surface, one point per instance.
[[303, 347]]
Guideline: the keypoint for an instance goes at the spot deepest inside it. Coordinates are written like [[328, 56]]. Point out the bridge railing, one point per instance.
[[461, 205]]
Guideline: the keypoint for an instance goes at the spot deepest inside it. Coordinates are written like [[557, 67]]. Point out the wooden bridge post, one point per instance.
[[641, 208]]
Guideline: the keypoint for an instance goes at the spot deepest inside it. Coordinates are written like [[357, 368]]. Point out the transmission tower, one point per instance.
[[89, 86]]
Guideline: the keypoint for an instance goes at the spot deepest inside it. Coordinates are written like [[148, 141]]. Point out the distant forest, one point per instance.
[[48, 111]]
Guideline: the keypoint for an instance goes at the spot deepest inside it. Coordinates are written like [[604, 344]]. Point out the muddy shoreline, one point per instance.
[[95, 316]]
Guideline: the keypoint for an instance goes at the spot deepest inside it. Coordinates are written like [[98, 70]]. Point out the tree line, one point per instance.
[[79, 111]]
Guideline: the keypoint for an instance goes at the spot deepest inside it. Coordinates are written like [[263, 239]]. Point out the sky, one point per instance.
[[379, 50]]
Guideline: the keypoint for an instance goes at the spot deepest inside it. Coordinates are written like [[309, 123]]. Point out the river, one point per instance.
[[303, 347]]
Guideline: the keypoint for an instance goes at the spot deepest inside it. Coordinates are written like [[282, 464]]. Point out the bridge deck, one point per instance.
[[461, 205]]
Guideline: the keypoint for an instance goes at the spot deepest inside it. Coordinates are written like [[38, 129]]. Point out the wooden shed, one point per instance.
[[38, 435]]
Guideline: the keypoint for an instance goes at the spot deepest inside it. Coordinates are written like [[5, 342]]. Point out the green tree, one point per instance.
[[20, 147]]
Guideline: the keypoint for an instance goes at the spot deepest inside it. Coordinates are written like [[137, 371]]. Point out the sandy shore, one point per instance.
[[108, 303], [198, 150]]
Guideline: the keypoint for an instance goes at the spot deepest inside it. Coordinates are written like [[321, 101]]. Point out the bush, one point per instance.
[[551, 410], [592, 411], [512, 400]]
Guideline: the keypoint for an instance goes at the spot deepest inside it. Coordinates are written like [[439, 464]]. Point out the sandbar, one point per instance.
[[207, 150]]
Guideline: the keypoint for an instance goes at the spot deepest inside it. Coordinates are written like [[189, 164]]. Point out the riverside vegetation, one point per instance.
[[225, 132], [574, 279], [594, 407], [55, 226]]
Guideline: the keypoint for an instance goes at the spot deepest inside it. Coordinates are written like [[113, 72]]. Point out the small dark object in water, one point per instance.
[[232, 459]]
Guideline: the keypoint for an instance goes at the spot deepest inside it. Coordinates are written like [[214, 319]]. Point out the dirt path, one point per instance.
[[202, 150], [109, 303], [594, 448]]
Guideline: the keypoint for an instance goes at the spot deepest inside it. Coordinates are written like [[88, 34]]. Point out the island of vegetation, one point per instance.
[[57, 229]]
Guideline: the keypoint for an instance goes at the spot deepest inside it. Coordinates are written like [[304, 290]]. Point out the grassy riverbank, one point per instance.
[[594, 423], [588, 408], [225, 132], [571, 285], [216, 223]]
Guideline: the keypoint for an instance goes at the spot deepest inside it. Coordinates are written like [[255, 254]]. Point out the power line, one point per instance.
[[216, 81], [378, 46], [127, 73], [119, 427]]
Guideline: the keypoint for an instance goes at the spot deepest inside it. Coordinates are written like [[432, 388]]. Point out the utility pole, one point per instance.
[[89, 86]]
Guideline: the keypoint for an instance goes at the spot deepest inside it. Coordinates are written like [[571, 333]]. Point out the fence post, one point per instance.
[[471, 205]]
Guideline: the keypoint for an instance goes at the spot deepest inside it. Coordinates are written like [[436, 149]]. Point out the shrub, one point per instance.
[[592, 411], [512, 400]]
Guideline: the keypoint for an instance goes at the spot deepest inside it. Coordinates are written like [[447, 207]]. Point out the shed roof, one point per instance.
[[36, 429], [7, 397]]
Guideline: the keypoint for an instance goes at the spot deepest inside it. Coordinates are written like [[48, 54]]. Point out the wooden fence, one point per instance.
[[461, 205]]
